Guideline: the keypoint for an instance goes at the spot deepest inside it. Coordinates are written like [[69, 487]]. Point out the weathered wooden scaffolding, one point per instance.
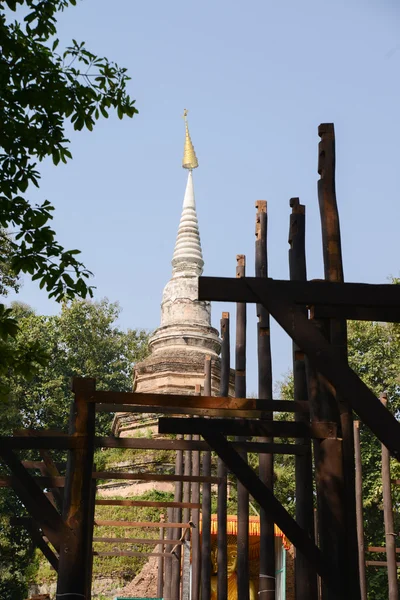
[[326, 395]]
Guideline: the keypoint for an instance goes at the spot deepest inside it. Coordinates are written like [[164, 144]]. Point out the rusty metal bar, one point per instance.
[[305, 574], [206, 504], [360, 515], [73, 561], [267, 573], [390, 534], [222, 513]]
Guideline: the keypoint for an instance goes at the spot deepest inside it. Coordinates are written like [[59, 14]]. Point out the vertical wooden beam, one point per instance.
[[89, 552], [390, 534], [168, 563], [266, 461], [160, 562], [73, 560], [333, 267], [305, 573], [187, 470], [243, 575], [360, 516], [206, 505], [196, 551], [222, 513], [176, 563]]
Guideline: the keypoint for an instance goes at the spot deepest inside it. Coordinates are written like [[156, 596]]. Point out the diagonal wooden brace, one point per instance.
[[272, 506], [34, 500]]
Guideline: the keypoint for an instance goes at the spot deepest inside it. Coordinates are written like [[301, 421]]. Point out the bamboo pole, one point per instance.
[[390, 534], [266, 461], [305, 573]]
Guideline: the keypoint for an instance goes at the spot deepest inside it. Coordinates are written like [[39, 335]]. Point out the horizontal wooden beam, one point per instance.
[[380, 549], [201, 412], [7, 481], [167, 444], [21, 443], [247, 427], [200, 402], [153, 503], [385, 314], [153, 477], [64, 442], [106, 523], [378, 563], [151, 542], [127, 553], [306, 293]]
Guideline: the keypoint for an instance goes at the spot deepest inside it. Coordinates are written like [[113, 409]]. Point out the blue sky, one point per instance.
[[257, 78]]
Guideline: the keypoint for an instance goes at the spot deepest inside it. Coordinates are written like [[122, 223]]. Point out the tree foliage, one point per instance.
[[84, 340], [41, 89]]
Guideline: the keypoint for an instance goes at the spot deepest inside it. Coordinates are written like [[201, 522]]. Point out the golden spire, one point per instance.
[[189, 155]]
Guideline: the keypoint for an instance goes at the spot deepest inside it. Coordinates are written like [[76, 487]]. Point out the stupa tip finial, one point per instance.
[[189, 155]]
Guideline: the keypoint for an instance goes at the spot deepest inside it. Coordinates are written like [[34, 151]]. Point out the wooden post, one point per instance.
[[73, 561], [168, 563], [390, 534], [243, 575], [196, 551], [187, 470], [222, 513], [333, 267], [160, 562], [206, 505], [266, 461], [305, 574], [89, 552], [360, 516], [176, 560]]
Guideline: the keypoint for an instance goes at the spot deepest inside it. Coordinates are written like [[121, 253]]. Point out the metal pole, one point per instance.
[[333, 267], [160, 565], [360, 516], [222, 513], [243, 575], [196, 552], [78, 516], [305, 574], [206, 505], [390, 534], [266, 461]]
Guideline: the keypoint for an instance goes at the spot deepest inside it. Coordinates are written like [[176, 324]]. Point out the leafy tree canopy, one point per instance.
[[41, 88], [84, 340]]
